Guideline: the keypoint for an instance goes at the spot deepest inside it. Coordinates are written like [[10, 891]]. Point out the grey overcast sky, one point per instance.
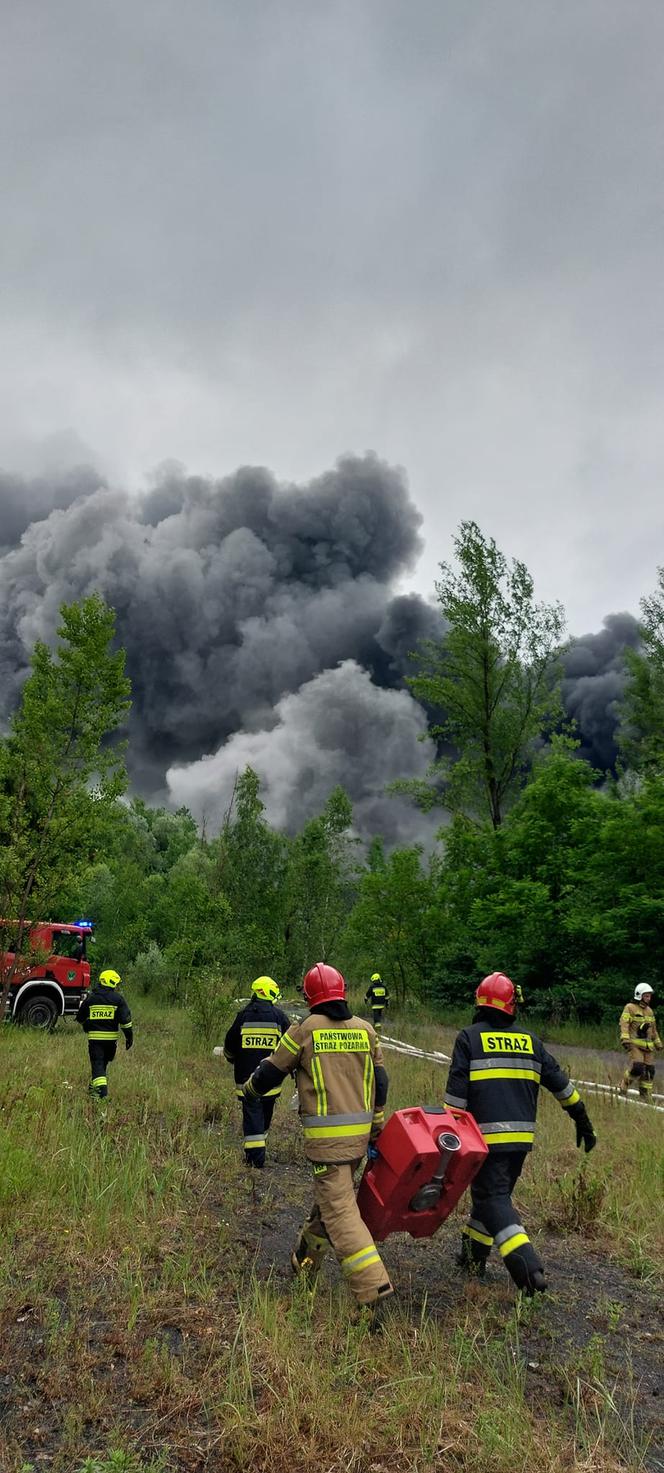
[[271, 231]]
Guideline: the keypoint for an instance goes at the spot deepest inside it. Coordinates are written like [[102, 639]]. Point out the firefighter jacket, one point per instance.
[[496, 1071], [341, 1081], [638, 1027], [252, 1036], [377, 995], [102, 1012]]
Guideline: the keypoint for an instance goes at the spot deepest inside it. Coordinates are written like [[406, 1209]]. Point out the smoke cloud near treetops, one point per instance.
[[261, 625]]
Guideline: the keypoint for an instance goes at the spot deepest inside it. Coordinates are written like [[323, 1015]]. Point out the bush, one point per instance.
[[207, 1003], [150, 972]]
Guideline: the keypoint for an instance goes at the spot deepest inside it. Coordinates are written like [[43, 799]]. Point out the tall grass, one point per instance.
[[129, 1281]]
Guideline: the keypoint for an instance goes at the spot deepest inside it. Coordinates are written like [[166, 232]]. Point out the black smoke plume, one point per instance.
[[261, 625], [593, 685], [232, 596]]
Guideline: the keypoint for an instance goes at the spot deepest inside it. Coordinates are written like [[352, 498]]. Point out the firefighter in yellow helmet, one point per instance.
[[639, 1038], [377, 995], [342, 1088], [101, 1014], [252, 1036]]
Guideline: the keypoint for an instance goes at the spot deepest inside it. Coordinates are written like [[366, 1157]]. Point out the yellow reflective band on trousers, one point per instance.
[[254, 1142], [504, 1074], [511, 1137], [512, 1243], [319, 1085], [101, 1079], [355, 1262], [104, 1037], [471, 1232]]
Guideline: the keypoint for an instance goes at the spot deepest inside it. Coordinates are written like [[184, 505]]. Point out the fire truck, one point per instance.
[[53, 971]]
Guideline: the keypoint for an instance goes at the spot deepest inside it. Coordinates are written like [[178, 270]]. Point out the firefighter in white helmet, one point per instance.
[[640, 1039], [342, 1088]]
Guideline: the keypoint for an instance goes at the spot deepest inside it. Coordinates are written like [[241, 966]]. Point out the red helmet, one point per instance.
[[497, 991], [323, 984]]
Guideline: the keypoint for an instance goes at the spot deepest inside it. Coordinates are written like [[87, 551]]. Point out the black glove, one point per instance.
[[585, 1134], [129, 1039]]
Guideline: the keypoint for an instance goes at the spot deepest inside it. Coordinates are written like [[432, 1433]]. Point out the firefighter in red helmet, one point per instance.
[[342, 1089], [496, 1070]]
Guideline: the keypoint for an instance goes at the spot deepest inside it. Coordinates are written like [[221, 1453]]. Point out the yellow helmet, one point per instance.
[[266, 988], [375, 976], [109, 978]]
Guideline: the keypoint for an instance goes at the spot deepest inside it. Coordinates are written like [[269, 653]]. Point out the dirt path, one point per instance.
[[598, 1326]]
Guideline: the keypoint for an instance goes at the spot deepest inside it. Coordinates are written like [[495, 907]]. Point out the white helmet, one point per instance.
[[641, 990]]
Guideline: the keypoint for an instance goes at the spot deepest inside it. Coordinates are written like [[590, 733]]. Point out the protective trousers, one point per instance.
[[640, 1071], [377, 1010], [101, 1053], [256, 1120], [495, 1222], [335, 1221]]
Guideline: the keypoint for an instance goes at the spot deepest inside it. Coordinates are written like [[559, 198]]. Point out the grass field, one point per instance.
[[149, 1323]]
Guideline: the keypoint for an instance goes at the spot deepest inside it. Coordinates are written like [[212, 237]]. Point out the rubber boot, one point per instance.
[[526, 1270], [472, 1257]]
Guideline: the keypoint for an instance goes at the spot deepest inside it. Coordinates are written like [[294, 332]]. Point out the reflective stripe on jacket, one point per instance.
[[638, 1026], [253, 1035], [377, 995], [334, 1064], [496, 1072], [102, 1012]]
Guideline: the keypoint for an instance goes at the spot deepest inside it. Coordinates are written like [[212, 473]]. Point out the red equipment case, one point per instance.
[[426, 1160]]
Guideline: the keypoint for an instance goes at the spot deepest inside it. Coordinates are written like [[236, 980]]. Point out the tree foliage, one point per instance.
[[642, 728], [59, 772], [541, 872], [491, 676]]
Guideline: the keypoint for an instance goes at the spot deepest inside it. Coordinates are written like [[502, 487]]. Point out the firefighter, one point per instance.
[[252, 1036], [102, 1012], [378, 996], [342, 1089], [639, 1038], [495, 1074]]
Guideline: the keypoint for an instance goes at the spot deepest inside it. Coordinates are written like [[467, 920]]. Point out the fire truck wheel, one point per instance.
[[39, 1010]]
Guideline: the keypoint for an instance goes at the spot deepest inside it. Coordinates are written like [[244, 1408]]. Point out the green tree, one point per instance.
[[389, 927], [251, 864], [59, 773], [523, 922], [642, 717], [492, 676], [322, 881]]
